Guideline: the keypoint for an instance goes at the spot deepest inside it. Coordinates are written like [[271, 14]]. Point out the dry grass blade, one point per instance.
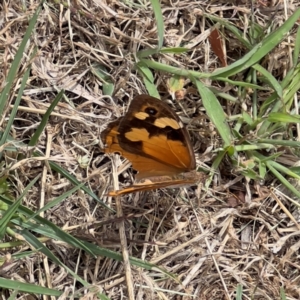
[[236, 239], [124, 245]]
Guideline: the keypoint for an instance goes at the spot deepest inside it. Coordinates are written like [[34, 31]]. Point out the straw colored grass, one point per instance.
[[238, 238]]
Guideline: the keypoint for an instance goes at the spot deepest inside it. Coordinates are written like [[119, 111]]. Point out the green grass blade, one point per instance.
[[28, 287], [57, 200], [215, 112], [44, 227], [216, 163], [239, 292], [296, 51], [284, 170], [33, 141], [72, 179], [282, 104], [148, 52], [13, 296], [12, 209], [98, 252], [282, 179], [257, 146], [238, 66], [17, 60], [279, 142], [188, 73], [103, 75], [62, 171], [33, 241], [283, 118], [148, 79], [59, 234], [14, 110], [271, 79], [236, 32], [159, 22], [173, 70], [174, 50], [260, 50], [282, 293]]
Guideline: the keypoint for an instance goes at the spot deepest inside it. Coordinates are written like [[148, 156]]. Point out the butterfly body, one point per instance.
[[153, 138]]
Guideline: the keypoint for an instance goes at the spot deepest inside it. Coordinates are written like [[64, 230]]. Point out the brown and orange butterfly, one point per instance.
[[155, 141]]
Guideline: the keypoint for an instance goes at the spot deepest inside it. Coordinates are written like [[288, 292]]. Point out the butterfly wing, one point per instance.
[[151, 130], [151, 186], [146, 166], [152, 137], [185, 179]]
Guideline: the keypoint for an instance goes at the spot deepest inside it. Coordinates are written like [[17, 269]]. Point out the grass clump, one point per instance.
[[68, 72]]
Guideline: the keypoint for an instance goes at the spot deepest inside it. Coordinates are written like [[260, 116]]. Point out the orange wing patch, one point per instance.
[[159, 147], [147, 167], [154, 140]]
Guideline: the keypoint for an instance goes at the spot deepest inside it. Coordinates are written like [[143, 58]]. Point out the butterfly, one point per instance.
[[153, 138]]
